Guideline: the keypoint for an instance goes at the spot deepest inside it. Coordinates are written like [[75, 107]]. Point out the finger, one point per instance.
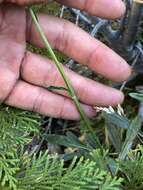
[[42, 72], [12, 46], [102, 8], [26, 2], [33, 98], [77, 44]]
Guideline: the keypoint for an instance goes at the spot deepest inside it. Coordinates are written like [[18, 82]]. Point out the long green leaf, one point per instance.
[[131, 135], [137, 96], [69, 141]]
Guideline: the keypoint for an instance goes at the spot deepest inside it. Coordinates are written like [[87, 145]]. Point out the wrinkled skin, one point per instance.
[[25, 76]]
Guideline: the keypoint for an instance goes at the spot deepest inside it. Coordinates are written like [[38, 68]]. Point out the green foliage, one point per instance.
[[53, 9], [15, 130], [23, 171], [132, 132], [48, 172], [8, 169], [137, 96], [15, 127], [115, 124], [70, 140], [133, 170]]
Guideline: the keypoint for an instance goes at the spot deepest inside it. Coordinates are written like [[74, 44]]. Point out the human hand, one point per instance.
[[24, 76]]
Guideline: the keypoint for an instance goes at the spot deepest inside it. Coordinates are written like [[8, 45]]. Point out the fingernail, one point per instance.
[[125, 71], [121, 97], [119, 8], [117, 97]]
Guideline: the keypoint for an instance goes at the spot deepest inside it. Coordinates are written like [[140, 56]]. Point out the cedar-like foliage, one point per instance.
[[20, 170], [15, 129], [133, 169], [48, 172]]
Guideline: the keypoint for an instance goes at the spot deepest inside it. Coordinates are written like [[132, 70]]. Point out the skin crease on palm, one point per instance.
[[24, 76]]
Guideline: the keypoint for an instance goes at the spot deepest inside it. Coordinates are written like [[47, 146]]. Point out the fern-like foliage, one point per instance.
[[22, 171], [47, 172], [8, 169], [15, 129], [133, 170]]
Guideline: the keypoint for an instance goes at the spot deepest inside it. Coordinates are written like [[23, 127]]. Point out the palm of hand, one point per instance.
[[24, 76]]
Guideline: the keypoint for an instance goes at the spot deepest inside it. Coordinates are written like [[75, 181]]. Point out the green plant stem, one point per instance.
[[65, 78]]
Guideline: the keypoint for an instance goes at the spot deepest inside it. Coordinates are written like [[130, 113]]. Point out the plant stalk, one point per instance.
[[65, 78]]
